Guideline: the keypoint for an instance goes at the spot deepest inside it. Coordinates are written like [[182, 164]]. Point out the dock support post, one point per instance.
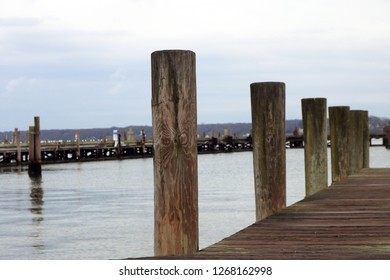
[[34, 165], [31, 153], [339, 127], [119, 148], [77, 135], [269, 151], [366, 139], [18, 147], [356, 142], [386, 131], [143, 143], [37, 139], [175, 161], [315, 144]]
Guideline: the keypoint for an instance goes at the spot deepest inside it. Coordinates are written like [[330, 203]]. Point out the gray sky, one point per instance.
[[86, 63]]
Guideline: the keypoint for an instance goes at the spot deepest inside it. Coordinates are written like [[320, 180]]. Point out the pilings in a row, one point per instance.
[[175, 149], [350, 141], [349, 134]]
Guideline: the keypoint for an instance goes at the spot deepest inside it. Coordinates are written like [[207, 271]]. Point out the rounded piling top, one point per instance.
[[315, 98], [172, 52], [267, 83], [270, 89], [341, 107]]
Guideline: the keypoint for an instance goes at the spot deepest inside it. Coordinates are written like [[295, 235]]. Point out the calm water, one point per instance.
[[104, 210]]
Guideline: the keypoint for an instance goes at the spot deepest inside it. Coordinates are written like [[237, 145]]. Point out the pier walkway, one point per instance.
[[348, 220]]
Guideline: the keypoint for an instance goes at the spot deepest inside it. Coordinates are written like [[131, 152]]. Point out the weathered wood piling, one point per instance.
[[143, 142], [34, 165], [269, 151], [174, 120], [18, 147], [339, 130], [366, 139], [315, 138], [78, 141], [356, 141]]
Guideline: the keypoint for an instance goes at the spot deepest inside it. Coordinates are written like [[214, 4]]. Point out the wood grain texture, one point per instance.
[[269, 151], [366, 139], [31, 143], [37, 139], [175, 152], [78, 141], [18, 147], [339, 127], [356, 145], [315, 139], [34, 163]]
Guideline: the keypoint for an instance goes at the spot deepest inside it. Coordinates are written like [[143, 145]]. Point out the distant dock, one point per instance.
[[70, 152], [63, 152]]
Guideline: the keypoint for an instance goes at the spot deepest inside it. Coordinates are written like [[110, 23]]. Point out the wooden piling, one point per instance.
[[315, 144], [18, 147], [356, 143], [174, 120], [31, 140], [78, 151], [119, 147], [269, 151], [339, 128], [386, 131], [34, 164], [366, 139], [143, 142], [37, 139]]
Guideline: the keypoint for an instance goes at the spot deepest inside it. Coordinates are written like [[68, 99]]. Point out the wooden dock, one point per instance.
[[348, 220]]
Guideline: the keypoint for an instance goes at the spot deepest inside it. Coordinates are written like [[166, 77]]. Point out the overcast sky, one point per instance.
[[86, 63]]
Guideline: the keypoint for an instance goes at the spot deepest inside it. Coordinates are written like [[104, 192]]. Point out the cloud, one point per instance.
[[13, 84], [118, 82], [116, 89], [98, 53], [20, 84], [119, 75], [7, 22]]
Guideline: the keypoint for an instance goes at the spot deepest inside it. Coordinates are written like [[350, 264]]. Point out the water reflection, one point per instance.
[[37, 202], [12, 169]]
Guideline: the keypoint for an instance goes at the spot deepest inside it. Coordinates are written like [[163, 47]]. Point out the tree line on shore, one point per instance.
[[204, 130]]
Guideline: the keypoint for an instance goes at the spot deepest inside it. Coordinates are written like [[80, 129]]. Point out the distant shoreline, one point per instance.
[[218, 129]]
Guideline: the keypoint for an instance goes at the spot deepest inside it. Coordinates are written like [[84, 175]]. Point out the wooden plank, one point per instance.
[[349, 220]]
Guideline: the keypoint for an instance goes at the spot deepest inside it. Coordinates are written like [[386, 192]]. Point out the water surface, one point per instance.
[[104, 210]]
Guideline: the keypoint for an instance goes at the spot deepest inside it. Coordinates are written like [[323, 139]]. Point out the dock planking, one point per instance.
[[348, 220]]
